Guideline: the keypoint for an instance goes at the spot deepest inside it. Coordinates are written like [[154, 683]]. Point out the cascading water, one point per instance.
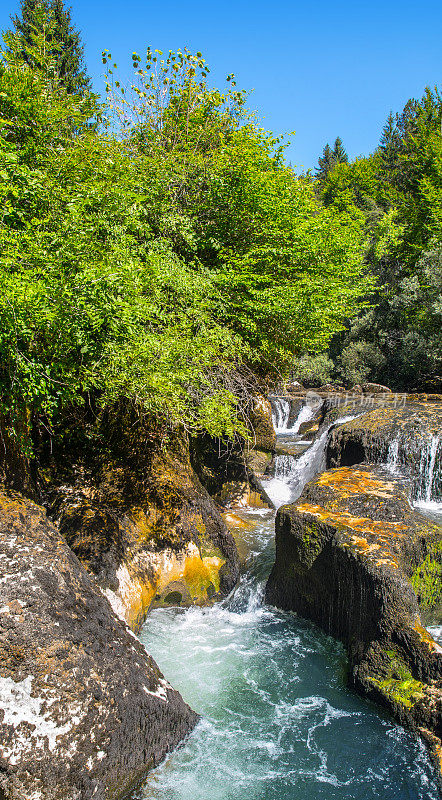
[[393, 457], [427, 490], [281, 409], [291, 474], [277, 720], [280, 413], [429, 496]]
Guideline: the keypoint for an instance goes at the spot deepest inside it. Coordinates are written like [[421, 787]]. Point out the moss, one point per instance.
[[312, 542], [399, 684], [427, 578]]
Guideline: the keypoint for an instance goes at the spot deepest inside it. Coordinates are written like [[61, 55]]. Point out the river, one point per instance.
[[277, 721]]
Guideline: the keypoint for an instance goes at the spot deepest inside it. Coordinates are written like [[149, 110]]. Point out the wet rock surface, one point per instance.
[[354, 557], [402, 433], [84, 711], [264, 436]]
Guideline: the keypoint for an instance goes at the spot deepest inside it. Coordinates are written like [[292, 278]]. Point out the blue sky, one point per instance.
[[321, 69]]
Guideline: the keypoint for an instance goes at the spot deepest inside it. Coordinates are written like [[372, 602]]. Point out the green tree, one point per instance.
[[339, 154], [62, 37], [325, 163]]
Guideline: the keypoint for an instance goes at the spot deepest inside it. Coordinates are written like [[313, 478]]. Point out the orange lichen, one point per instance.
[[426, 637], [349, 482], [347, 520], [235, 521]]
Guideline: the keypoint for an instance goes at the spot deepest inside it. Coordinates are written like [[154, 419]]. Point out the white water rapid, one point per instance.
[[292, 474]]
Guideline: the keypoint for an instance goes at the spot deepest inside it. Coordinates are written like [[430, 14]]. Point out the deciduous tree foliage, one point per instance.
[[159, 258]]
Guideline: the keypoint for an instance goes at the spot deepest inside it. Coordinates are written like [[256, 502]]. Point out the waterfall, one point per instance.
[[283, 466], [281, 408], [427, 475], [280, 413], [429, 492], [392, 463], [291, 473], [305, 415]]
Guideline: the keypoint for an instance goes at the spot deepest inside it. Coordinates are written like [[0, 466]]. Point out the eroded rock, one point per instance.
[[140, 521], [354, 557], [262, 425], [406, 435], [84, 711]]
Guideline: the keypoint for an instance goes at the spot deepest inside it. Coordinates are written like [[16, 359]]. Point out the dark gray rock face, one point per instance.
[[84, 711], [355, 558]]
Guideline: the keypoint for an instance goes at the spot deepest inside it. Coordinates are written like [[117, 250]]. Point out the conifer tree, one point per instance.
[[64, 38], [325, 163], [389, 143], [339, 154]]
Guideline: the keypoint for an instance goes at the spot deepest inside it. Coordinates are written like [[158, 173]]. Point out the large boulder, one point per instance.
[[138, 518], [84, 711], [354, 557], [263, 432]]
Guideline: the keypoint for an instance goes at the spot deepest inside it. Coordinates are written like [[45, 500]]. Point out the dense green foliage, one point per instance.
[[160, 256], [397, 194]]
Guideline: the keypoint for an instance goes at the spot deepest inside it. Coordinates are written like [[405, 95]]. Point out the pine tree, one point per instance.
[[64, 39], [325, 163], [389, 144], [339, 154]]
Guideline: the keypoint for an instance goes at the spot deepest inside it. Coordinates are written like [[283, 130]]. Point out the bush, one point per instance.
[[313, 370], [361, 361]]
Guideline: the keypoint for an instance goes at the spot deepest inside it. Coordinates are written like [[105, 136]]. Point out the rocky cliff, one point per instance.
[[138, 518], [354, 557]]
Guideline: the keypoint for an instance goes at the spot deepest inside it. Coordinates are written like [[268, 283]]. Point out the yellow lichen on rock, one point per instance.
[[348, 482], [159, 578], [344, 518]]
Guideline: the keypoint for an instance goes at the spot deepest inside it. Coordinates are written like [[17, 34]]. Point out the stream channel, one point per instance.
[[277, 721]]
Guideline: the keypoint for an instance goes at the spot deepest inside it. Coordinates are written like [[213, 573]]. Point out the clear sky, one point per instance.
[[321, 69]]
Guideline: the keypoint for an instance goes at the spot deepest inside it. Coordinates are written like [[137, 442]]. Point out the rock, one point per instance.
[[295, 407], [374, 388], [331, 387], [217, 461], [355, 558], [243, 495], [84, 711], [294, 387], [309, 428], [262, 425], [404, 433], [140, 521], [357, 389]]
